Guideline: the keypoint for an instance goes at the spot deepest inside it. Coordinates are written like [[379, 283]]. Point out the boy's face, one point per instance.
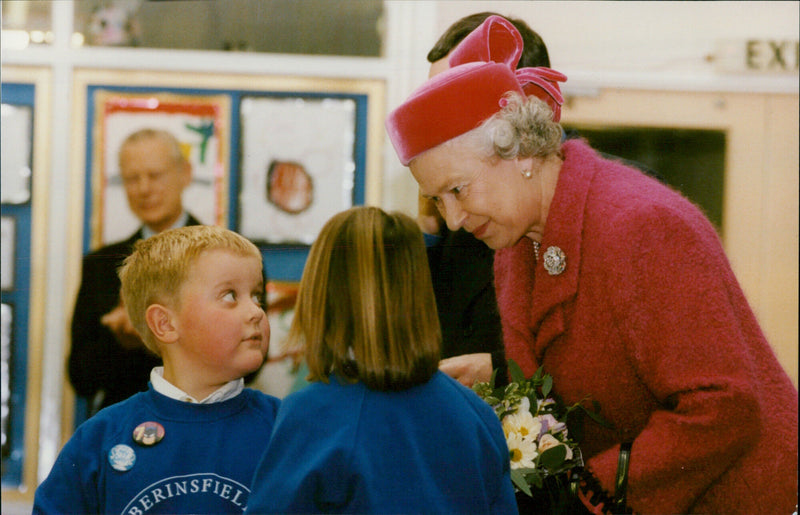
[[222, 327]]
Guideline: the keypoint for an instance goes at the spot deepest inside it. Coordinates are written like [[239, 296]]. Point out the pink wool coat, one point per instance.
[[649, 320]]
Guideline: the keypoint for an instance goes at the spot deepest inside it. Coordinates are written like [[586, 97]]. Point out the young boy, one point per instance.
[[191, 442]]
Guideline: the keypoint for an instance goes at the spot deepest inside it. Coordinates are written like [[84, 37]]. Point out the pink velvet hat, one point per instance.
[[460, 99], [498, 40]]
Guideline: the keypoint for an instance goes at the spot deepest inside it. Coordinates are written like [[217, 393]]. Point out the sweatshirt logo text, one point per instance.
[[208, 485]]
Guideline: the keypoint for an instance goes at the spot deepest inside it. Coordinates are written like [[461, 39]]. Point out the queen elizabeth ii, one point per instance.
[[614, 283]]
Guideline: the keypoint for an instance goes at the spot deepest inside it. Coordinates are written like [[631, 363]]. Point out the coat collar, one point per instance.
[[563, 230], [534, 299]]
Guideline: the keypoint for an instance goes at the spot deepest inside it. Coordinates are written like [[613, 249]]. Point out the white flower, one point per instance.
[[548, 441], [543, 403], [521, 451], [522, 422]]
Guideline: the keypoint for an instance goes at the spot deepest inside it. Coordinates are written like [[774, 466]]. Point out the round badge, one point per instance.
[[121, 457], [148, 433]]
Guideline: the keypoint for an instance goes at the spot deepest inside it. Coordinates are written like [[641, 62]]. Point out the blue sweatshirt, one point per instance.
[[344, 448], [203, 463]]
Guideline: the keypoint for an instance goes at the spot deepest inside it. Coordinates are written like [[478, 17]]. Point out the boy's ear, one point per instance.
[[159, 320]]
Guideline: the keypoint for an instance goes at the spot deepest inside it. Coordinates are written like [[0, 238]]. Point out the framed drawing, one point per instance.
[[306, 152], [278, 374], [201, 124], [298, 165]]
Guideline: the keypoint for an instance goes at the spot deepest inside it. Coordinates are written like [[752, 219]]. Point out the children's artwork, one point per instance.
[[15, 160], [5, 367], [279, 374], [201, 124], [7, 252], [298, 165]]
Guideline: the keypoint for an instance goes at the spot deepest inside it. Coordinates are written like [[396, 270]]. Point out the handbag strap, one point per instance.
[[621, 485]]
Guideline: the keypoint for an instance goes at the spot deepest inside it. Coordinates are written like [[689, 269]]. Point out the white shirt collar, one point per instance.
[[182, 220], [227, 391]]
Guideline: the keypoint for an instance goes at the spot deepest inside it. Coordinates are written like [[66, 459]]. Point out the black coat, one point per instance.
[[463, 281], [97, 362]]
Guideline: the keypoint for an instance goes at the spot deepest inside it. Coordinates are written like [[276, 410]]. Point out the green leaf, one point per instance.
[[595, 415], [518, 478], [547, 386], [553, 457], [515, 372]]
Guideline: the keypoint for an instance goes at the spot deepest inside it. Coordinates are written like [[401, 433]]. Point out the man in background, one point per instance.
[[108, 361]]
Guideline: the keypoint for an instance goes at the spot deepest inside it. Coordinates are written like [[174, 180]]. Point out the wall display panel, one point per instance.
[[16, 252], [25, 106], [281, 156], [324, 132]]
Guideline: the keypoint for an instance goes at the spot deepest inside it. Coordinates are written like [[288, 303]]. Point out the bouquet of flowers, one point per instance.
[[542, 451]]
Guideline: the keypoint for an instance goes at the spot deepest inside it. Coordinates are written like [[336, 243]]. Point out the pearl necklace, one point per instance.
[[536, 250]]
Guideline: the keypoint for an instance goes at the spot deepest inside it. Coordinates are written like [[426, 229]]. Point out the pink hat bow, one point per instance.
[[542, 83], [497, 40], [482, 72]]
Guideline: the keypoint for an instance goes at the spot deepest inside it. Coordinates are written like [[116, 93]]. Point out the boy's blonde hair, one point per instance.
[[365, 309], [159, 266]]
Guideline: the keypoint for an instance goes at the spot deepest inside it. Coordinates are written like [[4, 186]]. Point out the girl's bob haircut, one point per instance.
[[365, 308]]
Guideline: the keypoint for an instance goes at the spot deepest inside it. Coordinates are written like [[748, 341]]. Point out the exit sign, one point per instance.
[[757, 55]]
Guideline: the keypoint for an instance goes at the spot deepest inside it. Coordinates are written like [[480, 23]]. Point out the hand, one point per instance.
[[468, 368], [118, 323]]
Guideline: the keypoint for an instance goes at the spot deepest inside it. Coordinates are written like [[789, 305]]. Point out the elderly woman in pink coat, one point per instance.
[[614, 283]]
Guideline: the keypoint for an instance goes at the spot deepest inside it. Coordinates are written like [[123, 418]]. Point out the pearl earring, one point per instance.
[[527, 173]]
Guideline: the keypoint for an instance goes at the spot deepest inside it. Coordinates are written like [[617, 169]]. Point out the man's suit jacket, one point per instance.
[[97, 361], [463, 281]]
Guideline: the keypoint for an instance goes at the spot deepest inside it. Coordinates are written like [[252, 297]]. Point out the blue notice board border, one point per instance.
[[18, 297]]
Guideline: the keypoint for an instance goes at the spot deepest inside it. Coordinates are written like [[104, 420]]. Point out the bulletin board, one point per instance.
[[25, 161], [281, 156], [272, 160]]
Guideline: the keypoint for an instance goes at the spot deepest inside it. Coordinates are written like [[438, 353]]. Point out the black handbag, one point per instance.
[[592, 493]]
